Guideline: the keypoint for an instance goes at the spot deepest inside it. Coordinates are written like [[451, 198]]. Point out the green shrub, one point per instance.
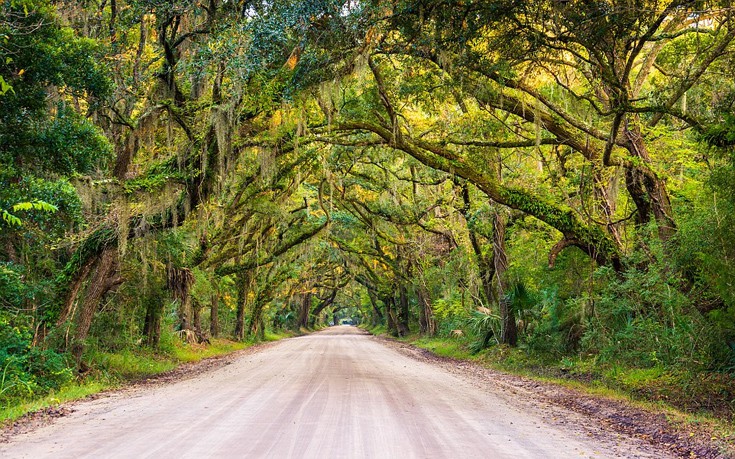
[[27, 370], [556, 325], [12, 289], [642, 320], [485, 327]]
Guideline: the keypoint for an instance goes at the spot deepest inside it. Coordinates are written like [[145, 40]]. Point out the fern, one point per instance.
[[37, 204]]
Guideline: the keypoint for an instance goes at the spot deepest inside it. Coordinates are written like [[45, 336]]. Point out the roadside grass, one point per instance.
[[276, 335], [378, 330], [73, 391], [691, 402], [128, 364], [183, 352], [110, 370], [451, 348]]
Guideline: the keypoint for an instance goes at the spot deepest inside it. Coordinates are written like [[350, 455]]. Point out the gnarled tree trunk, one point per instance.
[[152, 323], [214, 315], [647, 190], [326, 302], [243, 289], [392, 323], [196, 315], [377, 315], [256, 325], [101, 281], [179, 281]]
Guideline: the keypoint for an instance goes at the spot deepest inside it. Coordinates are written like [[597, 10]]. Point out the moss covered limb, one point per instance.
[[591, 239], [279, 250]]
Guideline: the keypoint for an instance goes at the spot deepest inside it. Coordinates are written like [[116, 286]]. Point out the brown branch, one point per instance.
[[559, 247], [508, 144]]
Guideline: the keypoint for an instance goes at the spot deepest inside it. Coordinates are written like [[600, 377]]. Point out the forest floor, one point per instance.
[[343, 393], [683, 434]]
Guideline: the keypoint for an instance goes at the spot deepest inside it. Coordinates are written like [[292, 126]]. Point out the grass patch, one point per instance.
[[183, 352], [129, 365], [74, 391], [444, 347], [276, 335], [376, 330]]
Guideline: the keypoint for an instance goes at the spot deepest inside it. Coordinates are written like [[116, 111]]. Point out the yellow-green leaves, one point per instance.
[[42, 206], [5, 86]]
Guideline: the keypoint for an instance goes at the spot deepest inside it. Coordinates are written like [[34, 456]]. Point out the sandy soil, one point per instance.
[[337, 393]]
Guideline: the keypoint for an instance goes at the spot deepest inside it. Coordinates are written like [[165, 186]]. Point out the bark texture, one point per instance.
[[101, 281], [509, 331]]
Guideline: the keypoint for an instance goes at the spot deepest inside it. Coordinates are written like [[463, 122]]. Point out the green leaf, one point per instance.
[[35, 205], [4, 86], [11, 219]]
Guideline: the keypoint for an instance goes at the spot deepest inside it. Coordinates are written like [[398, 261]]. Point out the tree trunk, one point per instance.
[[392, 323], [323, 305], [139, 53], [242, 299], [305, 307], [71, 297], [403, 312], [256, 326], [184, 313], [113, 25], [646, 189], [179, 281], [214, 315], [508, 332], [197, 319], [377, 315], [152, 324], [485, 267], [101, 282], [427, 323]]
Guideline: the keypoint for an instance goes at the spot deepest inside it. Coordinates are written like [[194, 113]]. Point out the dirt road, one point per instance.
[[337, 393]]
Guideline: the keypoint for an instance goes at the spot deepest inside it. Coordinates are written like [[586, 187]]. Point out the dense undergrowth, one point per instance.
[[694, 404]]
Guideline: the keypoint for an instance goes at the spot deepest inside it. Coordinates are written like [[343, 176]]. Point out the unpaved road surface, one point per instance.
[[334, 394]]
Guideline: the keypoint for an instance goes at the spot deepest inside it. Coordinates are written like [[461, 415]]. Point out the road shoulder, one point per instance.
[[48, 415], [617, 416]]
